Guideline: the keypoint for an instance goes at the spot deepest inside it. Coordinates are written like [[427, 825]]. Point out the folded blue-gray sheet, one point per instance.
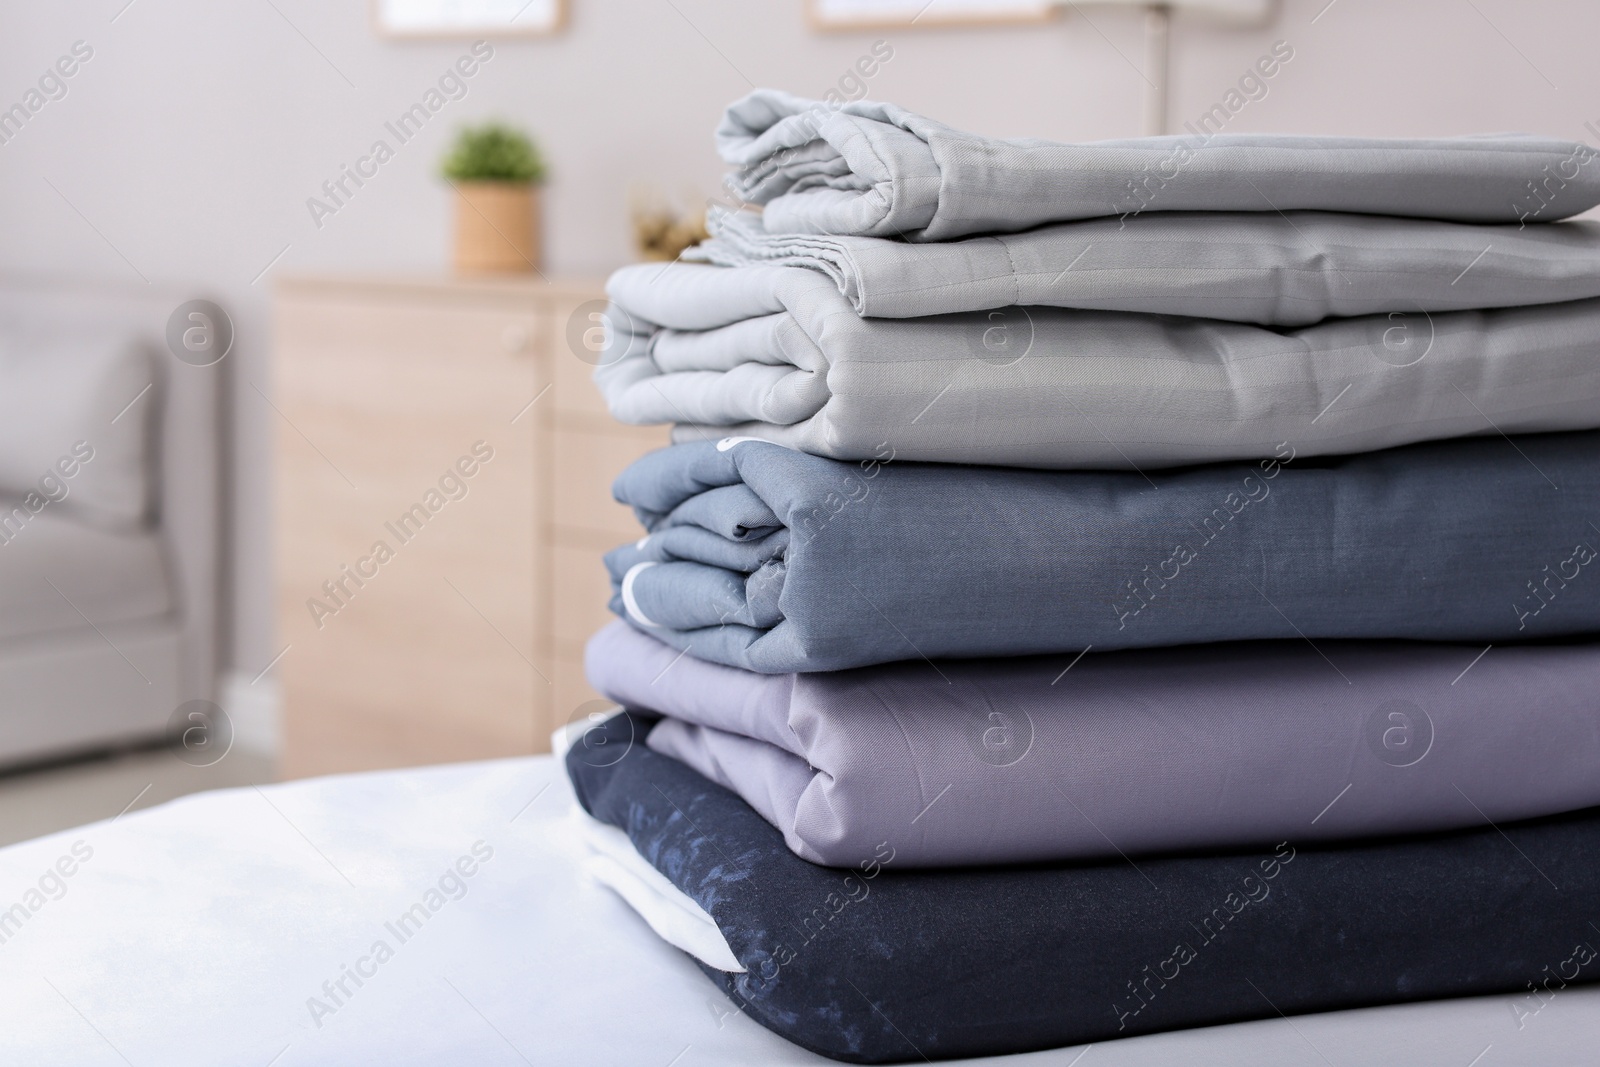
[[1127, 753], [761, 557]]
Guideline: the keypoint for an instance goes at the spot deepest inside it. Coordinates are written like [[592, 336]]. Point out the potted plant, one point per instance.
[[496, 171]]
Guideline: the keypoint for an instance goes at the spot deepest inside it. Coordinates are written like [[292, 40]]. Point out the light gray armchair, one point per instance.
[[110, 485]]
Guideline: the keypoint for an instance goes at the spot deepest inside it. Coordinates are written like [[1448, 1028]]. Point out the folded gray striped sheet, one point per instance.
[[1289, 269], [877, 170], [779, 352]]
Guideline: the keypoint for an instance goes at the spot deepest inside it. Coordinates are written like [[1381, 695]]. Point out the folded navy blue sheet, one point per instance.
[[774, 560], [874, 964]]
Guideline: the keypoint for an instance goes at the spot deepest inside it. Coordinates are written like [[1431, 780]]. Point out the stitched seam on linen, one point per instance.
[[1378, 402], [1016, 278], [1296, 270], [1469, 145], [1376, 405], [1019, 277], [953, 285]]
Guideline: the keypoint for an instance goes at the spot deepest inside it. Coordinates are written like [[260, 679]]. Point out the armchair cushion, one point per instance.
[[77, 405]]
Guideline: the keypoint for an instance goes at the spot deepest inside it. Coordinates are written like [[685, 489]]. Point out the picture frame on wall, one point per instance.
[[893, 14], [889, 14], [467, 18]]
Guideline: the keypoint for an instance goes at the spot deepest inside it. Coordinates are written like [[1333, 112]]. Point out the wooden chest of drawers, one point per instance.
[[443, 468]]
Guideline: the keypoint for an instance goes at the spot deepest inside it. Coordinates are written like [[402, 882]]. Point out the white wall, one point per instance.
[[193, 137]]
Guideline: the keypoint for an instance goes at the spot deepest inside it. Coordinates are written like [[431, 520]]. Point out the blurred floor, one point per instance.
[[54, 798]]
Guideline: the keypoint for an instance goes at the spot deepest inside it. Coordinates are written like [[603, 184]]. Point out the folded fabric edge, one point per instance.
[[614, 863]]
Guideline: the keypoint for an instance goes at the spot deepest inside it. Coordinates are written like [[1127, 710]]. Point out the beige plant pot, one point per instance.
[[497, 228]]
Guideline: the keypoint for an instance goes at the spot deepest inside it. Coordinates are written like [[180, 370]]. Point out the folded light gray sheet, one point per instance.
[[780, 353], [877, 170], [1266, 268], [999, 761]]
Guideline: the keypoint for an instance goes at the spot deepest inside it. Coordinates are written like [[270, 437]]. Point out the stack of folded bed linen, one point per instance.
[[1104, 589]]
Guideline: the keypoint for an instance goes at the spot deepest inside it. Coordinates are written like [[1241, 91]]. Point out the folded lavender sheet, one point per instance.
[[997, 761]]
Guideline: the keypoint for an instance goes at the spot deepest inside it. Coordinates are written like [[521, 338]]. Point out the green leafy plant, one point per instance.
[[494, 152]]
